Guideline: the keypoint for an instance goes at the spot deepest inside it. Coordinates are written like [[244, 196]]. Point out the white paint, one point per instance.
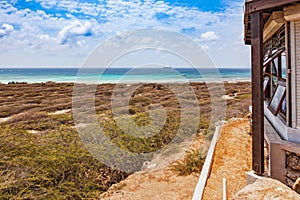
[[224, 189], [205, 172]]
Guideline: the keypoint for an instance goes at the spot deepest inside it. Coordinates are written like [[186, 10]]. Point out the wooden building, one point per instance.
[[272, 28]]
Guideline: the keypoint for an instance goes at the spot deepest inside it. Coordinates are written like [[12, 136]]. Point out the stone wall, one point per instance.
[[266, 156], [292, 168]]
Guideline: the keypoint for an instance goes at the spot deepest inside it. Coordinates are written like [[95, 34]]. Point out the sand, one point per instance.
[[232, 159], [158, 184]]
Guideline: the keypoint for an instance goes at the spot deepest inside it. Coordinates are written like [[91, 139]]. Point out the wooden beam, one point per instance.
[[258, 5], [292, 13], [288, 74], [274, 23], [257, 92]]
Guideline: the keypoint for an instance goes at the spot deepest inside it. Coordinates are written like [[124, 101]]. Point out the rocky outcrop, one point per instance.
[[266, 188], [292, 174], [296, 186], [293, 161], [292, 170]]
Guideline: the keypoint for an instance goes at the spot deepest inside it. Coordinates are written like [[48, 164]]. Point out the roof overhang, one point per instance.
[[266, 7]]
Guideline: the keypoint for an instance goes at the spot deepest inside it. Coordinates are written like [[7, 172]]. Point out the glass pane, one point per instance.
[[283, 107], [274, 69], [283, 64]]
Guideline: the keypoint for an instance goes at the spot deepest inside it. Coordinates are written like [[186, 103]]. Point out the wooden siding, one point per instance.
[[297, 63]]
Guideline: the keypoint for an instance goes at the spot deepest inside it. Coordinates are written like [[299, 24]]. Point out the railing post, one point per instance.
[[257, 92]]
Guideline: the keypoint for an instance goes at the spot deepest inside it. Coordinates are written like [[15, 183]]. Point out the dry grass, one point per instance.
[[25, 153]]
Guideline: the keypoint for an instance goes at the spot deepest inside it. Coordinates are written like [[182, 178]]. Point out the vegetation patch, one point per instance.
[[42, 155], [192, 163], [54, 165]]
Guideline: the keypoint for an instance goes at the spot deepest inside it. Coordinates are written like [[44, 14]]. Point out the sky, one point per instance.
[[62, 33]]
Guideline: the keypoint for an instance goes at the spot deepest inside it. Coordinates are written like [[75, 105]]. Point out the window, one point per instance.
[[278, 102], [274, 68]]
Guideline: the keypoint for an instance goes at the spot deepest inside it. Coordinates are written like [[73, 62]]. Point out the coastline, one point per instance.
[[123, 75], [133, 82]]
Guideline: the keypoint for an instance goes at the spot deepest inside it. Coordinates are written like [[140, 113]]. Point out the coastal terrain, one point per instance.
[[42, 155]]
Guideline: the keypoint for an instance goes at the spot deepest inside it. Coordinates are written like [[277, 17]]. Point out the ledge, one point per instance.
[[287, 133]]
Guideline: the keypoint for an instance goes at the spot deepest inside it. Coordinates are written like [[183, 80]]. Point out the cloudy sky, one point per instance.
[[62, 33]]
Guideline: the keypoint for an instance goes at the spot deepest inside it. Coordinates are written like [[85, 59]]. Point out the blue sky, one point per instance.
[[62, 33]]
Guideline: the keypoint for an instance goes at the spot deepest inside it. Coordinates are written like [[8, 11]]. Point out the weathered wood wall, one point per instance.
[[297, 66]]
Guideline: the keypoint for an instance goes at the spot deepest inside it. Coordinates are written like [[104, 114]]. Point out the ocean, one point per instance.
[[123, 75]]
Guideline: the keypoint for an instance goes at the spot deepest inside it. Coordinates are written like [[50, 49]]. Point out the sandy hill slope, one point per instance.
[[232, 160]]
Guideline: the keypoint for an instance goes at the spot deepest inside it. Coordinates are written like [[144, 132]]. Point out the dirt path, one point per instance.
[[158, 184], [232, 159]]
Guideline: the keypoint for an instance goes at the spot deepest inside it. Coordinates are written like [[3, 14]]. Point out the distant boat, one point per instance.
[[167, 67]]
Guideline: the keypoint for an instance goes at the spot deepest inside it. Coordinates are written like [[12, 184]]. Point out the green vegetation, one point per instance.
[[192, 163], [42, 155], [243, 96], [54, 165]]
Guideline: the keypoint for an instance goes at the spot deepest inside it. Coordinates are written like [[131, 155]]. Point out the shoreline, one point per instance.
[[124, 83], [125, 75]]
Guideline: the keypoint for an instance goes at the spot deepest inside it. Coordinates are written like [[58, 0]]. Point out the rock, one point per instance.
[[289, 182], [292, 174], [148, 165], [293, 162], [266, 188], [296, 186]]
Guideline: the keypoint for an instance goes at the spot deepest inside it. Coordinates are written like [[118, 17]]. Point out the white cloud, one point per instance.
[[47, 3], [5, 29], [74, 30], [209, 36], [8, 27], [43, 33], [44, 37]]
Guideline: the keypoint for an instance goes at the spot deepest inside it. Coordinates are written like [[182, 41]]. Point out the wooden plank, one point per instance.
[[257, 92], [273, 24], [297, 49], [292, 13], [288, 76], [293, 76], [259, 5]]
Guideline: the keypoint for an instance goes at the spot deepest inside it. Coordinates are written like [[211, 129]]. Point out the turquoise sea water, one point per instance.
[[123, 75]]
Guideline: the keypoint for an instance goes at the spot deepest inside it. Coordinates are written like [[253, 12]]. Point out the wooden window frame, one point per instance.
[[266, 82], [280, 97]]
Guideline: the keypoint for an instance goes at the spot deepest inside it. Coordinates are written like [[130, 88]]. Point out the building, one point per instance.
[[272, 28]]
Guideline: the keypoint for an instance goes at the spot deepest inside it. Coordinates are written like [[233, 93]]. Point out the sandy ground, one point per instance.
[[232, 159], [156, 184], [4, 119], [60, 112]]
